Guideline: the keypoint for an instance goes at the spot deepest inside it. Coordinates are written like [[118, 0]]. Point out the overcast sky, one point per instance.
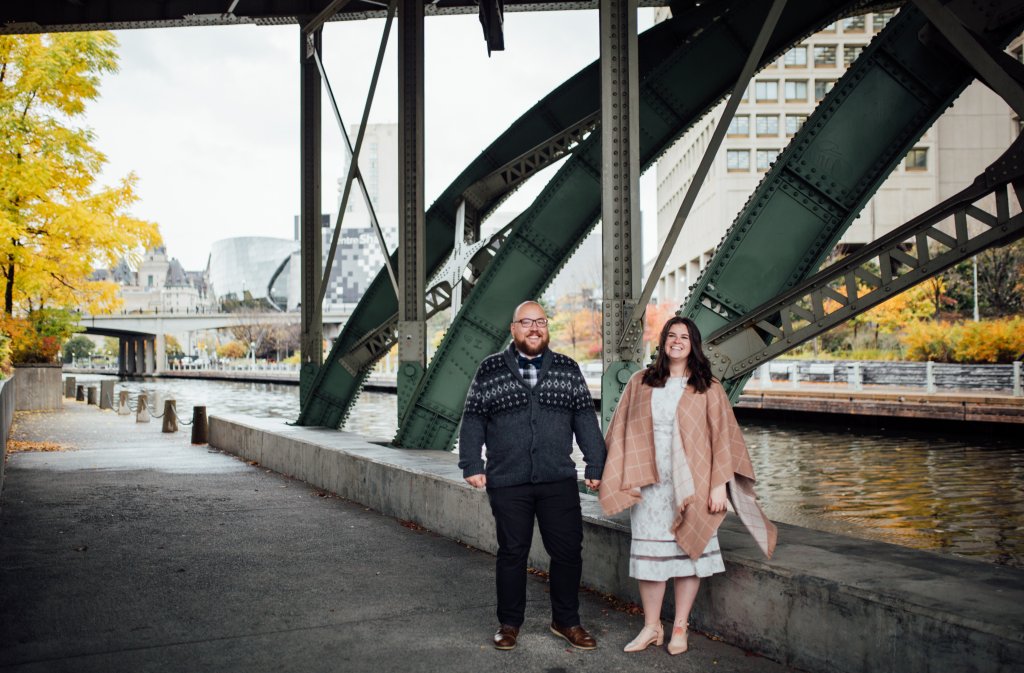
[[208, 117]]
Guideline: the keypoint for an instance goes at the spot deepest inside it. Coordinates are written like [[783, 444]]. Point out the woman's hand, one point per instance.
[[716, 501]]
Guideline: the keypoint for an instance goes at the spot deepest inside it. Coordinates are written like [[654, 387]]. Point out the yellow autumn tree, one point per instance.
[[56, 223]]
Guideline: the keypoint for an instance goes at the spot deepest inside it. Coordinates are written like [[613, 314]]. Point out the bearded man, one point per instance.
[[523, 408]]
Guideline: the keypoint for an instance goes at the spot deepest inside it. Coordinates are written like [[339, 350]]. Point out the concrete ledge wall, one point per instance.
[[39, 387], [824, 603]]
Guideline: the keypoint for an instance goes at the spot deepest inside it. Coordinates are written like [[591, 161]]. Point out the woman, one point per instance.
[[673, 447]]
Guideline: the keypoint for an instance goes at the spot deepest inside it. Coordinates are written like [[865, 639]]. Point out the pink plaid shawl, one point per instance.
[[715, 452]]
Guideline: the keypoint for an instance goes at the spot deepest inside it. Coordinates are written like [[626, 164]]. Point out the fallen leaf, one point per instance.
[[19, 446]]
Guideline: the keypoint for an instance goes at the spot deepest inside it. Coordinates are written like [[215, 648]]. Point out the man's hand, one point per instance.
[[716, 501], [593, 484], [477, 480]]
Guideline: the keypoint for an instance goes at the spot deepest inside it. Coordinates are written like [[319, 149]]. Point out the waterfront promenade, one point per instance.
[[132, 550], [812, 399]]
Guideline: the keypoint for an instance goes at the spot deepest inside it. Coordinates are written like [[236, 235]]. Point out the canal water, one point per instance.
[[956, 494]]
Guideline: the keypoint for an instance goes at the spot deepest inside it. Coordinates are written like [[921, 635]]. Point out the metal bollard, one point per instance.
[[856, 382], [142, 413], [69, 387], [1017, 391], [766, 376], [170, 417], [929, 377], [91, 395], [107, 394], [122, 404], [80, 393], [200, 432]]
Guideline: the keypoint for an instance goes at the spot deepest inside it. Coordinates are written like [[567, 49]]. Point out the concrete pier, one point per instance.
[[823, 603]]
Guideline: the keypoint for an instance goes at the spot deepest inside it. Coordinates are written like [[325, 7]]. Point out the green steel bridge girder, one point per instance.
[[696, 36], [683, 85], [854, 139]]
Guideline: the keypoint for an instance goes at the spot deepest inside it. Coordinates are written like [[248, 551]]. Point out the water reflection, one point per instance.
[[955, 494], [962, 495]]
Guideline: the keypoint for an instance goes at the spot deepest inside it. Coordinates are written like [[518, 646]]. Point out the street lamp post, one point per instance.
[[252, 353]]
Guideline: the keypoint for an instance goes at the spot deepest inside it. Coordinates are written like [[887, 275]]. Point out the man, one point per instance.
[[525, 405]]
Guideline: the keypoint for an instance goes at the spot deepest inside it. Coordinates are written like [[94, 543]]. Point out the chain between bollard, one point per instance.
[[134, 409]]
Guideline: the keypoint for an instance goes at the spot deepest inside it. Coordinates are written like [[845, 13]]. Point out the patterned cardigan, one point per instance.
[[715, 452]]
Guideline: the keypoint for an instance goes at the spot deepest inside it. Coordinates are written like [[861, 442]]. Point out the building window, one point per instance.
[[796, 90], [765, 159], [737, 160], [767, 125], [822, 87], [739, 126], [766, 90], [793, 123], [149, 281], [825, 54], [917, 159], [851, 52], [882, 18], [795, 57], [854, 24]]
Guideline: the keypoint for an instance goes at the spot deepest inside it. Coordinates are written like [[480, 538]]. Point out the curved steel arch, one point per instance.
[[370, 331], [674, 93]]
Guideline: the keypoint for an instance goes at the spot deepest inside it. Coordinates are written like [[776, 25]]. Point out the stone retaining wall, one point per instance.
[[39, 387]]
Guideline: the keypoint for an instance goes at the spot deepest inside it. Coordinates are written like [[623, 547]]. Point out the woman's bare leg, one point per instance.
[[652, 594], [685, 593]]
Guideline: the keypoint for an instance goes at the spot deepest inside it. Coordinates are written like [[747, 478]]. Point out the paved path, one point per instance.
[[136, 551]]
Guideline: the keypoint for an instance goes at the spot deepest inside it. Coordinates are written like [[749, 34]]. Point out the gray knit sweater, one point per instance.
[[528, 431]]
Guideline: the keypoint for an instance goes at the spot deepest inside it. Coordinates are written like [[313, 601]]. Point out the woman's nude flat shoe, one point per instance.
[[649, 635], [678, 643]]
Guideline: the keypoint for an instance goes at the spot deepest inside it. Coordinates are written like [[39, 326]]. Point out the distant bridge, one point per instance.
[[142, 348]]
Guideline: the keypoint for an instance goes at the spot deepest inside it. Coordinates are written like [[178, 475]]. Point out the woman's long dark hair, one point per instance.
[[697, 363]]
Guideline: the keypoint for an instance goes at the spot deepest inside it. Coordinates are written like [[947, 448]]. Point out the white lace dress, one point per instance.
[[654, 554]]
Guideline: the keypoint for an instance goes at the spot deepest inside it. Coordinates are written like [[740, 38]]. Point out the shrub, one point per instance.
[[935, 341], [991, 341], [36, 339], [987, 341]]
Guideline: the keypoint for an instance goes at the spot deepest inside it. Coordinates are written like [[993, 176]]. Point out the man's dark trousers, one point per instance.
[[556, 506]]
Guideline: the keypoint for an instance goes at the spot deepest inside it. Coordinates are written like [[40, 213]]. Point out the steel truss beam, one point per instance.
[[378, 342], [620, 197], [877, 272], [353, 168], [311, 338], [486, 192], [412, 327]]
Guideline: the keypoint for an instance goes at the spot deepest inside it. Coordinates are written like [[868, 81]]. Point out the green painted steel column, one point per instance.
[[312, 334], [412, 331], [620, 196]]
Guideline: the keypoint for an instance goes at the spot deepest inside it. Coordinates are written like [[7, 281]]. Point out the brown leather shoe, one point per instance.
[[505, 637], [576, 635]]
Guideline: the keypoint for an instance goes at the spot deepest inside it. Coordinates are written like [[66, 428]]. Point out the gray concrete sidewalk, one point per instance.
[[136, 551]]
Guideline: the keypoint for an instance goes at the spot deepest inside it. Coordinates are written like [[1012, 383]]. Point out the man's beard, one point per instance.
[[524, 348]]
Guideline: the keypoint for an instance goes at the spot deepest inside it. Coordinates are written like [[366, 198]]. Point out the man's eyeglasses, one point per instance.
[[527, 323]]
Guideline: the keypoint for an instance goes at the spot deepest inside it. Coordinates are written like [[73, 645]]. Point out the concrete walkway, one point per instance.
[[136, 551]]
